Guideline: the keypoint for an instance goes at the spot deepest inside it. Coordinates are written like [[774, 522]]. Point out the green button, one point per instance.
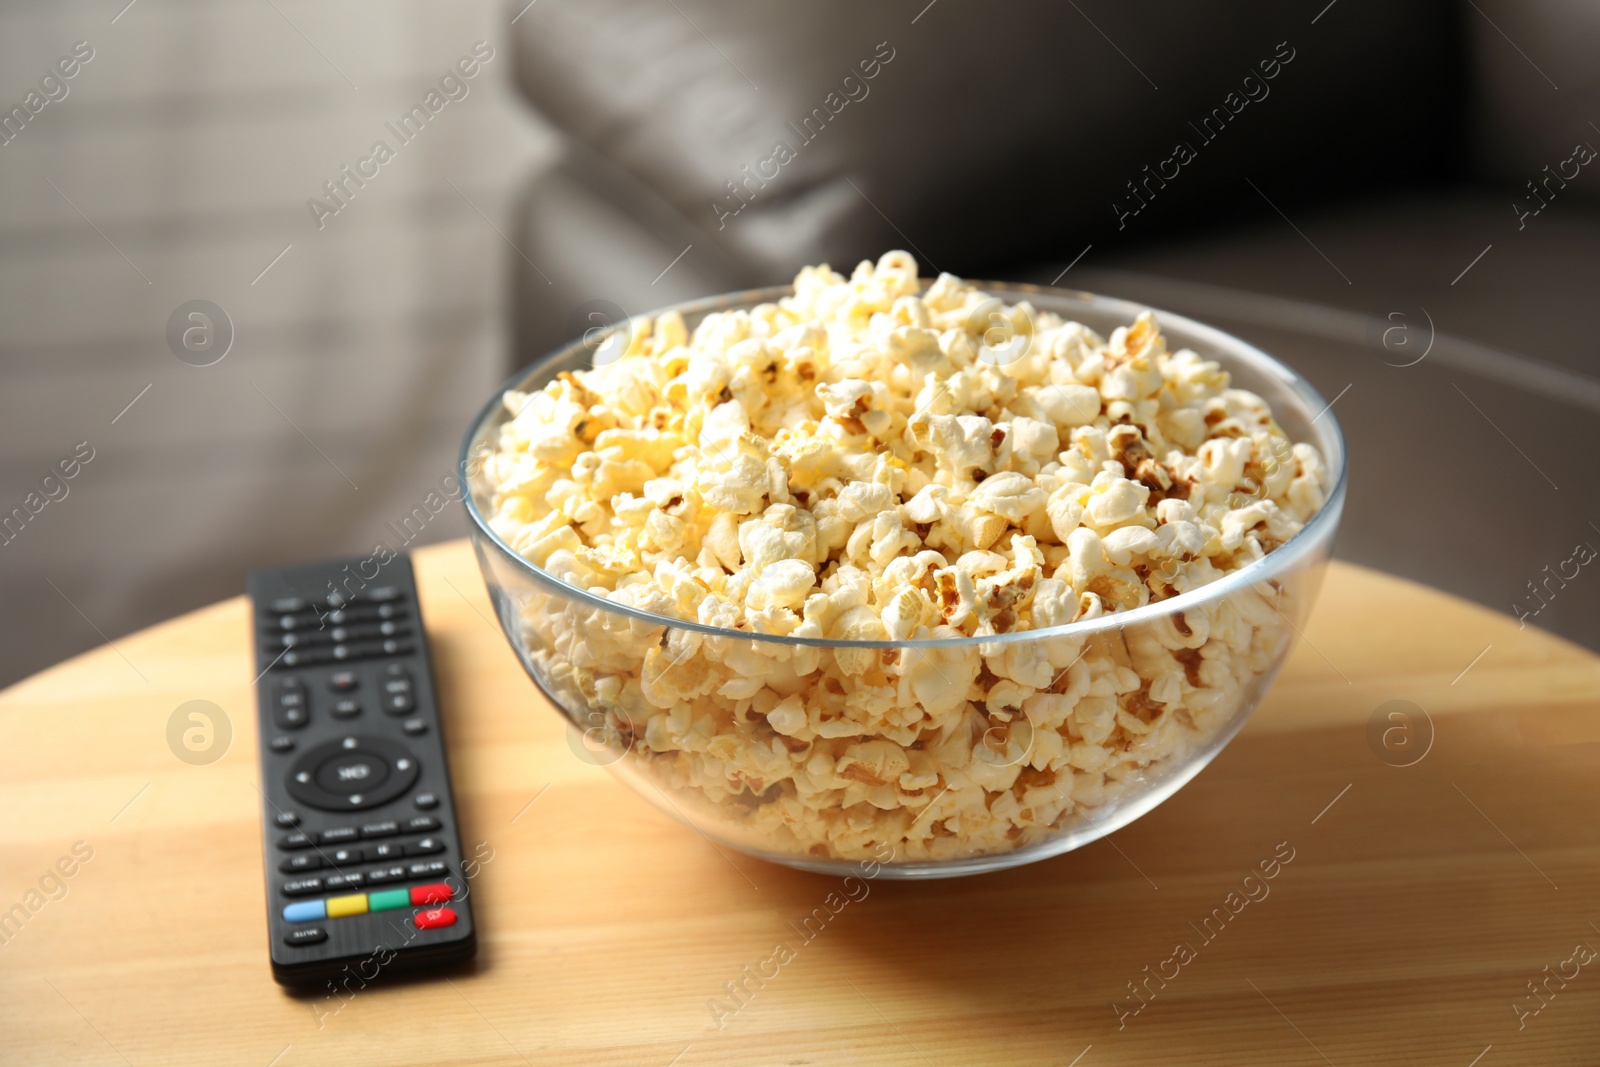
[[389, 899]]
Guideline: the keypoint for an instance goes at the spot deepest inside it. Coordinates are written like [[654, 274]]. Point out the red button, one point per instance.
[[434, 918], [437, 893]]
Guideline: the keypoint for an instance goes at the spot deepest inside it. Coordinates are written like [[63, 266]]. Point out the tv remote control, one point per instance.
[[364, 861]]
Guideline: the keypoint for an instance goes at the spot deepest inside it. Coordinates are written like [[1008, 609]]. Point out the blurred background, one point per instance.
[[1396, 200]]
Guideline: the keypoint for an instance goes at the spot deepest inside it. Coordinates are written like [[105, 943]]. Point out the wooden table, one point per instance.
[[1420, 902]]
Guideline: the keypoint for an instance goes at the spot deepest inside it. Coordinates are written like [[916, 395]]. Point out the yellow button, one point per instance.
[[354, 904]]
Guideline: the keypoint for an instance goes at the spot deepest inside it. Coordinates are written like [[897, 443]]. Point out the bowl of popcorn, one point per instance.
[[960, 574]]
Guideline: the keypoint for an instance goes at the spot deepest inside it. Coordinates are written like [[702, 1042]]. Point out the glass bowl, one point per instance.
[[1003, 785]]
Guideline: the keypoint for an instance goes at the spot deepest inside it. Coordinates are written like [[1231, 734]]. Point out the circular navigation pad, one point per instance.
[[352, 773]]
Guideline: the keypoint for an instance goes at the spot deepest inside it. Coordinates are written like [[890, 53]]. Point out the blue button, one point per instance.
[[304, 911]]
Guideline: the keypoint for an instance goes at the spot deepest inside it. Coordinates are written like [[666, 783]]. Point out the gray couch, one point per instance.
[[1308, 175]]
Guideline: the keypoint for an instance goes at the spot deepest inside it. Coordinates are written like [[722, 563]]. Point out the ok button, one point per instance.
[[352, 772]]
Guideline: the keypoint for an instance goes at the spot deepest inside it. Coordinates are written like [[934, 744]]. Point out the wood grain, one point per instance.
[[1419, 902]]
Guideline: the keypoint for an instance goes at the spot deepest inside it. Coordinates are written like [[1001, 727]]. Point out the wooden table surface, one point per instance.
[[1420, 903]]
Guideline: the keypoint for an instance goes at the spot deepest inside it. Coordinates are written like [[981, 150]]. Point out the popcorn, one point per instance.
[[848, 464]]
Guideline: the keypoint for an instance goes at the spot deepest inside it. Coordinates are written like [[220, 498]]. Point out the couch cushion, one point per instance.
[[1537, 91], [984, 134], [1531, 292]]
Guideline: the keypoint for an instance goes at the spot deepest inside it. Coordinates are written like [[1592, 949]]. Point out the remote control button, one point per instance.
[[387, 828], [399, 703], [282, 743], [421, 824], [352, 772], [426, 801], [436, 893], [342, 857], [354, 904], [305, 911], [397, 670], [300, 887], [384, 875], [346, 708], [294, 841], [391, 611], [289, 711], [434, 918], [428, 870], [351, 633], [353, 880], [305, 640], [289, 718], [383, 592], [343, 681], [414, 727], [306, 935], [388, 900], [397, 682], [304, 658], [287, 605], [392, 850], [287, 818], [427, 846], [337, 835], [306, 861], [394, 647]]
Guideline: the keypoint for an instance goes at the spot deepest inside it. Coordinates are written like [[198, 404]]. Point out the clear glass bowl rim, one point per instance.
[[1320, 527]]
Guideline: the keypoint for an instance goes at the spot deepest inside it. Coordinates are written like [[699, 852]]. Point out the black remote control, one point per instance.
[[364, 862]]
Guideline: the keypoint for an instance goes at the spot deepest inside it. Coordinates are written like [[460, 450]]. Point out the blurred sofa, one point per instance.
[[1313, 176]]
